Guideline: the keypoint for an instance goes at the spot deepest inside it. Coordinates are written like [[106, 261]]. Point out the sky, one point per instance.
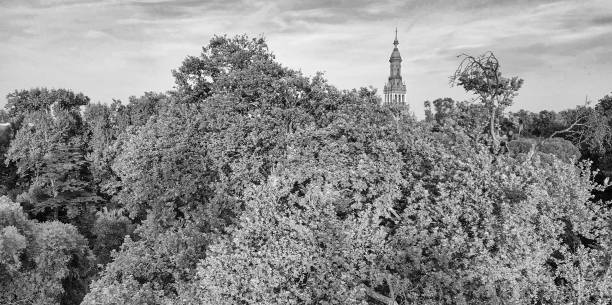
[[113, 49]]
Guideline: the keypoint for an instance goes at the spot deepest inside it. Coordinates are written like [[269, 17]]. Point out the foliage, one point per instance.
[[228, 65], [148, 271], [107, 126], [103, 131], [4, 116], [21, 103], [110, 229], [477, 229], [40, 263], [466, 230], [8, 171], [466, 117], [48, 152], [560, 148], [185, 170], [314, 227]]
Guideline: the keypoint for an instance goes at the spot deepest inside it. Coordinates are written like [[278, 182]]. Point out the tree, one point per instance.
[[584, 126], [40, 263], [587, 129], [313, 232], [604, 107], [23, 102], [8, 172], [184, 172], [107, 126], [49, 153], [110, 229], [222, 67], [103, 132], [481, 76], [429, 114], [4, 116]]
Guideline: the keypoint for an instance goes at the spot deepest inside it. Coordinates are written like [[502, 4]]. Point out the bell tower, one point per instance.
[[395, 89]]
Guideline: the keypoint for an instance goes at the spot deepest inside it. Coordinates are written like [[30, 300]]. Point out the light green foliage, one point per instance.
[[562, 149], [253, 184], [140, 109], [40, 263]]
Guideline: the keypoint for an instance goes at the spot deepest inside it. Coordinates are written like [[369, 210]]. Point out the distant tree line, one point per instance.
[[250, 183], [582, 133]]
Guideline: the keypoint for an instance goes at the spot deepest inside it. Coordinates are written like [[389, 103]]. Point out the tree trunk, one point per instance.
[[492, 130]]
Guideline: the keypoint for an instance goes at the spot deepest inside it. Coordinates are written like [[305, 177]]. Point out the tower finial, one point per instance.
[[395, 42]]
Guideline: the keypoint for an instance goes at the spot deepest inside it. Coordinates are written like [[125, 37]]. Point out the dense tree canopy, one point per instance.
[[251, 183], [40, 263]]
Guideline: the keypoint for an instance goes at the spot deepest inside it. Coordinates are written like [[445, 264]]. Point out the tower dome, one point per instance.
[[395, 55]]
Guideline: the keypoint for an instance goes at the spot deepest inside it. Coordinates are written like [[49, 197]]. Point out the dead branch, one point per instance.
[[569, 129]]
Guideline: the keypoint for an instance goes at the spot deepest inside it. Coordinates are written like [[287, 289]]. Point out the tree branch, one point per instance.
[[379, 297], [568, 129]]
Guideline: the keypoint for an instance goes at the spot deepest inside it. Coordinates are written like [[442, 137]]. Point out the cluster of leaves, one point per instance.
[[40, 263], [448, 114]]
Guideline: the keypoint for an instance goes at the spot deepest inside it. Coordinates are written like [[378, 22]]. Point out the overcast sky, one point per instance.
[[116, 48]]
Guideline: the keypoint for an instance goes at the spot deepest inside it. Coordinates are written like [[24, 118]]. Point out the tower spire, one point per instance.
[[395, 42]]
